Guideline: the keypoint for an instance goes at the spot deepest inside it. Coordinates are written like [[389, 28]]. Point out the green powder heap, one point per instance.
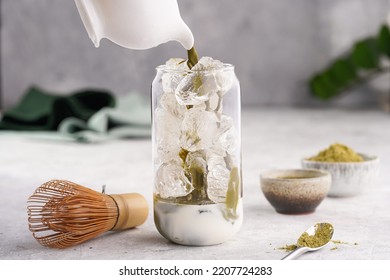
[[337, 153], [323, 233], [288, 248]]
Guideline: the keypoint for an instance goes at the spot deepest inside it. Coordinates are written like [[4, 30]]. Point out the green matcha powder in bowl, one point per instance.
[[352, 173]]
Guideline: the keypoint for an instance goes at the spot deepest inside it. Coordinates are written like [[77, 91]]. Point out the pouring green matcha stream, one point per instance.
[[313, 239]]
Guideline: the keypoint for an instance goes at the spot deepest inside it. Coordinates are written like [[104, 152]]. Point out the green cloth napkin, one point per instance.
[[41, 110], [130, 118]]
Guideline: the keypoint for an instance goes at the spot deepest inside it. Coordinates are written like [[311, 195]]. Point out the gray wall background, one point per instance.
[[276, 45]]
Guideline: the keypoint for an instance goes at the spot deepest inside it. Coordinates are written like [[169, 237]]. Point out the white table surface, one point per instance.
[[271, 138]]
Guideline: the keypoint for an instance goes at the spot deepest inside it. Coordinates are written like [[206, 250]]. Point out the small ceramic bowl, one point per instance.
[[348, 178], [295, 191]]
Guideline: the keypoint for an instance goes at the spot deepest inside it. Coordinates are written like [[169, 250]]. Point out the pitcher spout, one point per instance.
[[185, 37], [90, 20], [134, 24]]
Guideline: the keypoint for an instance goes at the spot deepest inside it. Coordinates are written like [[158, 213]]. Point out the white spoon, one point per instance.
[[320, 233]]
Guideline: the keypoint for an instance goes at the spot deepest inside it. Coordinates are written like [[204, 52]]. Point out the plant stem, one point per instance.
[[370, 75]]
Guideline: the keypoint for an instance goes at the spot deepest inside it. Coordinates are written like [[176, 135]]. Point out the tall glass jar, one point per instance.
[[196, 135]]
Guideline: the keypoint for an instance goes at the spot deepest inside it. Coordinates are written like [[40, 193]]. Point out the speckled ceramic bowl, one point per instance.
[[348, 178], [295, 191]]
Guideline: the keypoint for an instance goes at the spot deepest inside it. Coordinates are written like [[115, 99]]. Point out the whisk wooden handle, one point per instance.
[[132, 210]]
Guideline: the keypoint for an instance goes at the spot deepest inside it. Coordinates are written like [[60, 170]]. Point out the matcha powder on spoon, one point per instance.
[[321, 236]]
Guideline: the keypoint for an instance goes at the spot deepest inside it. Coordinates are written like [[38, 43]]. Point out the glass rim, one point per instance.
[[165, 68]]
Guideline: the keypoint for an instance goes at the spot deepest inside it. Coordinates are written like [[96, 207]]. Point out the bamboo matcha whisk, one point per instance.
[[63, 214]]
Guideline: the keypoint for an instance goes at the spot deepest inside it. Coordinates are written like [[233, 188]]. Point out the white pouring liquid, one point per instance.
[[135, 24]]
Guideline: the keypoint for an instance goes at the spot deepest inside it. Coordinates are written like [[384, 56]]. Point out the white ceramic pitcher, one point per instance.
[[135, 24]]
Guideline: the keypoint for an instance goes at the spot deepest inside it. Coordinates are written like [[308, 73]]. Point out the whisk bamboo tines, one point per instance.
[[62, 214]]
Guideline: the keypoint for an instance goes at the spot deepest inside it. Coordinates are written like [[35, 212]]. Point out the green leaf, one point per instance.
[[317, 88], [366, 54], [322, 86], [343, 71], [330, 78], [384, 40], [358, 66]]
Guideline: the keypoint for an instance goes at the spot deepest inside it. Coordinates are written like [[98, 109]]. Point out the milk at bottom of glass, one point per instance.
[[197, 225]]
